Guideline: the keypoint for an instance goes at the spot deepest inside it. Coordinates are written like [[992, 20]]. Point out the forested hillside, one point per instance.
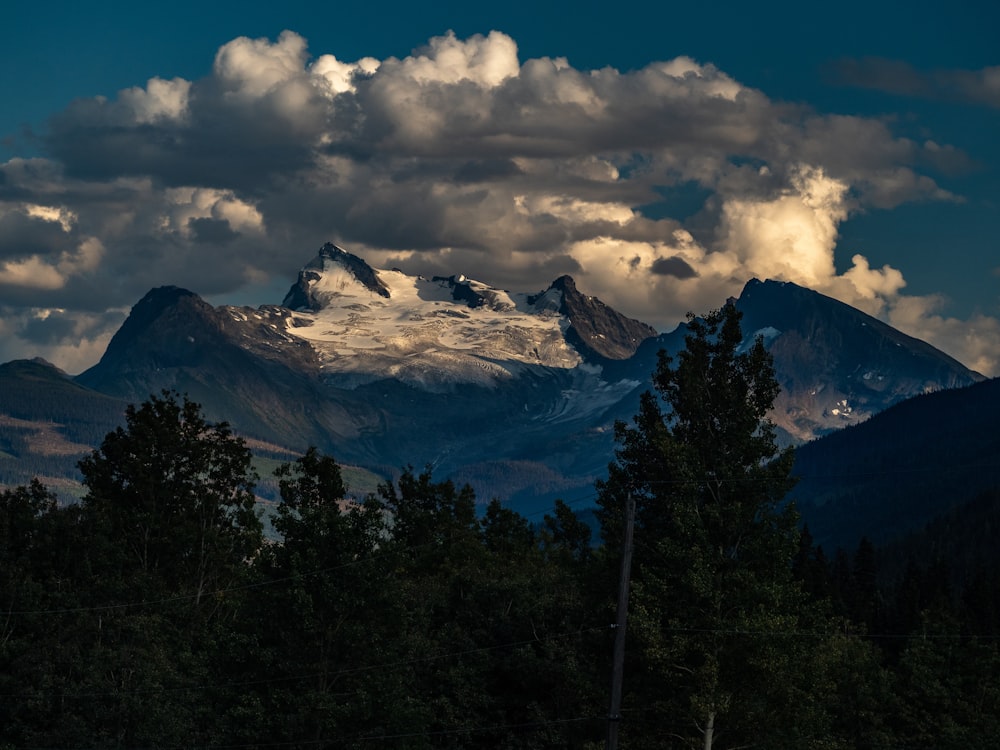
[[48, 422], [903, 468], [154, 614]]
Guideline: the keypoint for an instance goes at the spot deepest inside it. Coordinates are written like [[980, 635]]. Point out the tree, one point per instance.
[[714, 597], [175, 493], [170, 526], [947, 683], [499, 628], [325, 620]]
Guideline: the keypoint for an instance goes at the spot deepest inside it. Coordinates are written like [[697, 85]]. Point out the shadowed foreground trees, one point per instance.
[[151, 614], [131, 586], [176, 495]]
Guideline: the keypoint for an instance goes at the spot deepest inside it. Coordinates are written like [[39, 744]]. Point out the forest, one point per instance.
[[155, 612]]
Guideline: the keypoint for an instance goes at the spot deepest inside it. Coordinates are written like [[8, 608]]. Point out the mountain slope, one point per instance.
[[836, 365], [239, 363], [48, 422], [902, 468], [595, 329]]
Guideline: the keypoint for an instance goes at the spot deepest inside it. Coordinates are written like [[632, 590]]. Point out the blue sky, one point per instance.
[[662, 155]]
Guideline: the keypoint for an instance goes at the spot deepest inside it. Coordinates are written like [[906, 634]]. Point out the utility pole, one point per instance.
[[618, 663]]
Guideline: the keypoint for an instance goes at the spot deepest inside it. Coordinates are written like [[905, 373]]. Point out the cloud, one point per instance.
[[40, 247], [252, 69], [160, 101], [486, 61], [72, 340], [674, 266], [459, 157], [972, 341], [980, 86]]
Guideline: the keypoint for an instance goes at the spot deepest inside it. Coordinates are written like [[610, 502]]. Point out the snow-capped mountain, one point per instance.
[[367, 325], [516, 392]]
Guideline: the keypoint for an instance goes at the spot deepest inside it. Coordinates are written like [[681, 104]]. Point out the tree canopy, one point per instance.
[[154, 614]]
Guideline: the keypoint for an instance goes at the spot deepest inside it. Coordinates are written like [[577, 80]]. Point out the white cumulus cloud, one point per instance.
[[160, 100]]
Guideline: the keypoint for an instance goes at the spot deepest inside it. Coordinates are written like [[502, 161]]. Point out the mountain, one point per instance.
[[438, 333], [385, 369], [48, 422], [241, 364], [836, 365], [514, 392], [902, 468]]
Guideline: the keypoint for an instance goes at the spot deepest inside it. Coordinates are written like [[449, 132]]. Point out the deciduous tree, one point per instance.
[[175, 493]]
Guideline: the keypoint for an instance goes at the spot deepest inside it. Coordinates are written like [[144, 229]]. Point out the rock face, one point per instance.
[[173, 328], [303, 296], [836, 365], [595, 328], [240, 363]]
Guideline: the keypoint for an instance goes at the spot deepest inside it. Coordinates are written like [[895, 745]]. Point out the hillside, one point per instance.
[[901, 468]]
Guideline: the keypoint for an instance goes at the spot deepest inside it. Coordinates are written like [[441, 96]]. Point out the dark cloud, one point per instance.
[[481, 170], [23, 235], [212, 231], [897, 77], [216, 148], [70, 339], [49, 330], [891, 76], [675, 267]]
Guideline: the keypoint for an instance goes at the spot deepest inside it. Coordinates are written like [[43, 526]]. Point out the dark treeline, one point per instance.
[[154, 613]]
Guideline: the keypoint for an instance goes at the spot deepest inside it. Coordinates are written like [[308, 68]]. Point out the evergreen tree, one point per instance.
[[326, 620], [949, 687], [864, 600], [499, 633], [715, 604]]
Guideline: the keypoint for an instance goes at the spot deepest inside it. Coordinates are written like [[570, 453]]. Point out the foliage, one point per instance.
[[714, 596], [151, 614], [176, 492]]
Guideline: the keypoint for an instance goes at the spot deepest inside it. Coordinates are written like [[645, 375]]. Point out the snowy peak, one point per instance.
[[332, 273], [474, 294], [430, 333], [367, 324]]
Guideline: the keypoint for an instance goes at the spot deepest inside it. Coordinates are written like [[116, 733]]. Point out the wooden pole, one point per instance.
[[618, 662]]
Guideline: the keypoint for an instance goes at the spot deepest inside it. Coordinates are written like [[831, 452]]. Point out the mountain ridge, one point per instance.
[[381, 370]]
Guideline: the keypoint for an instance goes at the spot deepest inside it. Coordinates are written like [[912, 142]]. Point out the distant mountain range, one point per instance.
[[516, 393]]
